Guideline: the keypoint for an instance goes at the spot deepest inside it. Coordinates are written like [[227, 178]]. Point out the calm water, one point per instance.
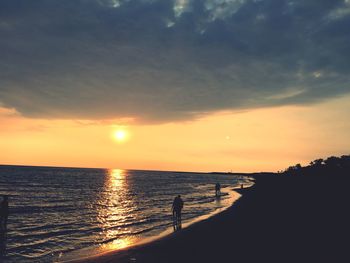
[[54, 211]]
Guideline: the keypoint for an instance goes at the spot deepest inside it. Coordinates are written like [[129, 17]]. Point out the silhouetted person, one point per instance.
[[217, 189], [241, 186], [4, 212], [177, 207], [3, 238]]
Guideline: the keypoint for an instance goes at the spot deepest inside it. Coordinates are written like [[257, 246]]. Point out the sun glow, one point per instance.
[[120, 135]]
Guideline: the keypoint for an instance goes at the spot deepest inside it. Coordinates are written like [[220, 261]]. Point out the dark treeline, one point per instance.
[[332, 166]]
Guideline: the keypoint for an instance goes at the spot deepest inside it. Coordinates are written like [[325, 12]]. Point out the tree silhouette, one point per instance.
[[332, 166]]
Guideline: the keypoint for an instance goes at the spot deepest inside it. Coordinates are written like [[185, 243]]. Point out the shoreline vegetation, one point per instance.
[[298, 215]]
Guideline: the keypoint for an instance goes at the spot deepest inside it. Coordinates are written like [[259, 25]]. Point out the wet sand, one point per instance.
[[279, 219]]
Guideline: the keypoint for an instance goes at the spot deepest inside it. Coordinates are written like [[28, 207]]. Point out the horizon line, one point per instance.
[[104, 168]]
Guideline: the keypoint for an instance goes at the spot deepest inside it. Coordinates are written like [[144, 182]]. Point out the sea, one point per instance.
[[58, 214]]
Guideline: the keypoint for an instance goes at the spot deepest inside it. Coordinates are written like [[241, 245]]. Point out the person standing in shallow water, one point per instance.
[[4, 212], [177, 207], [217, 189]]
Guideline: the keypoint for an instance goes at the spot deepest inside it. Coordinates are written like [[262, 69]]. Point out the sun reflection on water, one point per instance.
[[119, 243], [117, 178], [115, 211]]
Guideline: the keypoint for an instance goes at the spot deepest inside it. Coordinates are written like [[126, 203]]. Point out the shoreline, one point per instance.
[[93, 253], [278, 219]]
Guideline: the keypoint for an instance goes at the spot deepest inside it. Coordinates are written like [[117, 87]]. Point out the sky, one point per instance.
[[209, 85]]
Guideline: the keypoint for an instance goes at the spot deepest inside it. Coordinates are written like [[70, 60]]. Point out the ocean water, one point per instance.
[[55, 211]]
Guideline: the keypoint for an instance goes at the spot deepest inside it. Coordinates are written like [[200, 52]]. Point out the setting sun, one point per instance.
[[120, 135]]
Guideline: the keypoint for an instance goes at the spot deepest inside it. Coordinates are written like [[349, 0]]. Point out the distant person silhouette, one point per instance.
[[217, 189], [4, 212], [177, 207], [3, 239]]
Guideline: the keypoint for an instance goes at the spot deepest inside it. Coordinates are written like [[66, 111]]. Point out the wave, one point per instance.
[[55, 210]]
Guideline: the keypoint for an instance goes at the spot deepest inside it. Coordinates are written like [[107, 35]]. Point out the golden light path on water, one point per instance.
[[118, 210], [116, 207]]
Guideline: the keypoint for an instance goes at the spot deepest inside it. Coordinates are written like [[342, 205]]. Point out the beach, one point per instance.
[[279, 219], [66, 213]]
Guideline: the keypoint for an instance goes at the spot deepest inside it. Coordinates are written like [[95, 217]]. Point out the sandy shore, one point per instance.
[[279, 219]]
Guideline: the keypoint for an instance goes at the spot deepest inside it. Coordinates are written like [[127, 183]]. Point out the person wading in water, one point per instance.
[[4, 212], [217, 190], [177, 207]]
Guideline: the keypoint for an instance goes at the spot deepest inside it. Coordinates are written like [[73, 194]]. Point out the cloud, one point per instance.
[[159, 61]]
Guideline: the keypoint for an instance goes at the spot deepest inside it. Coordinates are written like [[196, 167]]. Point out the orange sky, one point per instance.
[[256, 140], [68, 72]]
